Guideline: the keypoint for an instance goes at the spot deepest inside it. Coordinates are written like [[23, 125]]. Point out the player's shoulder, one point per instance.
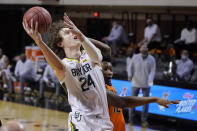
[[84, 57], [70, 60], [110, 88], [83, 54]]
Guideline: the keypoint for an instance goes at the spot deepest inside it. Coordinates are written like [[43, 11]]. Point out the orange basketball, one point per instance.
[[41, 15]]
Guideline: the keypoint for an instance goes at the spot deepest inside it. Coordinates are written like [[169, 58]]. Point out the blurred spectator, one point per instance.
[[189, 37], [184, 66], [180, 70], [152, 36], [2, 59], [171, 73], [116, 37], [50, 80], [141, 71], [5, 71], [130, 53], [194, 77], [25, 71], [7, 78], [189, 34]]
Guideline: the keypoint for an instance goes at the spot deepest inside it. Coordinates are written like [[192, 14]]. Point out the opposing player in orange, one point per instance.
[[116, 103], [115, 113]]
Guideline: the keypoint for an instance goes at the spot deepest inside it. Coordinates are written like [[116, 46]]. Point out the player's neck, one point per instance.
[[73, 53], [108, 82]]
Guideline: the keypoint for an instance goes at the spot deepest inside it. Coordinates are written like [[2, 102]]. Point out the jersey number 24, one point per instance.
[[86, 82]]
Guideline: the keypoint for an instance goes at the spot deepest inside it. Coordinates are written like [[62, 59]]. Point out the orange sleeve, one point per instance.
[[116, 115]]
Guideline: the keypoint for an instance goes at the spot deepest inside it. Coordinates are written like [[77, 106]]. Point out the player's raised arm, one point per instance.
[[133, 101], [102, 46], [50, 56], [91, 49]]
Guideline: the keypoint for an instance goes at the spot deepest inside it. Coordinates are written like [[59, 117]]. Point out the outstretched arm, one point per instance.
[[102, 46], [50, 56], [133, 101], [91, 49]]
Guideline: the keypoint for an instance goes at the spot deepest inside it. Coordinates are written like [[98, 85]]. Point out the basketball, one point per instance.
[[41, 15]]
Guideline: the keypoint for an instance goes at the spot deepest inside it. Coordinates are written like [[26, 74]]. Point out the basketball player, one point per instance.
[[116, 102], [80, 72]]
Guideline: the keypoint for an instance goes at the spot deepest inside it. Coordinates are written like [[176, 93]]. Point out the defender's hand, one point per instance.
[[32, 31], [164, 102]]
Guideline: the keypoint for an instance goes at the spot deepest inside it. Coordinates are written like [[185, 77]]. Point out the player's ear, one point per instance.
[[60, 44]]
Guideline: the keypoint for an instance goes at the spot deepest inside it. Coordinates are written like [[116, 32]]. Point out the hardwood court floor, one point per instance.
[[41, 119], [34, 118]]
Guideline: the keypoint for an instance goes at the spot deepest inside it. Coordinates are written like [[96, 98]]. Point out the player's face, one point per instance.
[[107, 70], [68, 39]]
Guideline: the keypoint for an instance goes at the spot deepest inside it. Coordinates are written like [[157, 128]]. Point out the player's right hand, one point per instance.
[[72, 28], [32, 31]]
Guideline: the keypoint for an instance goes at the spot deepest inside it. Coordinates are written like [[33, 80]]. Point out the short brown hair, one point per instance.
[[55, 38]]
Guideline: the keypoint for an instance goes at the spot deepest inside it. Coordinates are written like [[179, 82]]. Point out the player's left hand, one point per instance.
[[165, 103], [72, 28], [32, 31]]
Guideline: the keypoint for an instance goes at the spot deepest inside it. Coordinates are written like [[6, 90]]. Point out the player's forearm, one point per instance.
[[102, 46], [91, 49], [51, 57], [133, 101], [128, 101]]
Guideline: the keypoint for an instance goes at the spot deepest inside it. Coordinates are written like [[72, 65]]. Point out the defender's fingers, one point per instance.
[[175, 102], [166, 106]]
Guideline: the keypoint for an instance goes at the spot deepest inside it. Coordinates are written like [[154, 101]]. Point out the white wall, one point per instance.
[[191, 3]]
